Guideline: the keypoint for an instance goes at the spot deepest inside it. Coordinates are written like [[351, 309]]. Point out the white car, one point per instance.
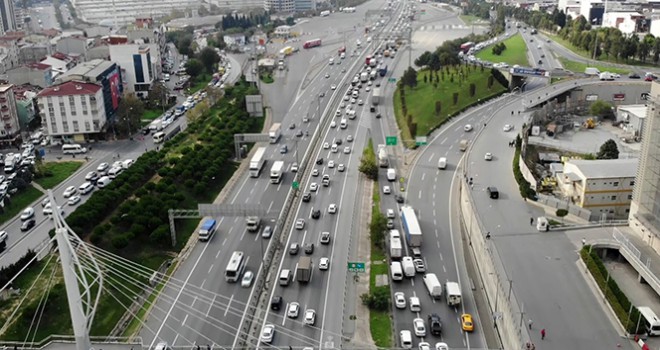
[[341, 168], [103, 167], [292, 311], [332, 209], [331, 164], [420, 327], [246, 282], [326, 145], [360, 103], [353, 100], [334, 148], [327, 75], [400, 300], [347, 97], [488, 156], [27, 214], [267, 333], [419, 265], [347, 150], [300, 224], [70, 191], [313, 187], [390, 213], [343, 105], [467, 127], [73, 200], [338, 113], [315, 172], [349, 138], [333, 124], [310, 317], [333, 87], [424, 346], [441, 346], [387, 190], [369, 83], [324, 263], [507, 127], [367, 89]]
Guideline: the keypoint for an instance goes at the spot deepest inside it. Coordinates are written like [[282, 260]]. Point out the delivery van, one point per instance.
[[408, 266], [396, 271], [285, 277], [542, 224], [442, 163]]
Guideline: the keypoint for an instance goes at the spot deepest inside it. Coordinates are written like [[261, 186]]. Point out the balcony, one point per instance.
[[4, 108], [6, 117], [3, 99]]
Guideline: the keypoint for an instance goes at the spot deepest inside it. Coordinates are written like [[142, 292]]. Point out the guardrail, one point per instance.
[[634, 257]]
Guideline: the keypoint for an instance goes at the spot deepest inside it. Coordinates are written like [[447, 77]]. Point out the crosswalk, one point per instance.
[[437, 27]]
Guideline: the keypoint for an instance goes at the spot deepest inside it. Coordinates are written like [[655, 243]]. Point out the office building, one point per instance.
[[7, 16], [138, 67], [9, 125], [280, 5]]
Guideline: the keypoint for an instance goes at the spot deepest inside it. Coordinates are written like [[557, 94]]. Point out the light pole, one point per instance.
[[128, 122]]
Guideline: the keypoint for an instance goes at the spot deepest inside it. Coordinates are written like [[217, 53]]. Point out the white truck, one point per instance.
[[453, 292], [383, 161], [257, 162], [364, 77], [591, 71], [10, 162], [408, 266], [396, 248], [275, 132], [411, 226], [433, 285], [276, 172], [391, 174], [606, 76], [375, 97]]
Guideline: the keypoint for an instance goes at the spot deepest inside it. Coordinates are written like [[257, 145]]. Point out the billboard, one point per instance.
[[115, 88], [618, 97], [591, 97]]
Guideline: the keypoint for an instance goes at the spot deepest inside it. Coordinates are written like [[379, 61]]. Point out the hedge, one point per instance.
[[526, 190]]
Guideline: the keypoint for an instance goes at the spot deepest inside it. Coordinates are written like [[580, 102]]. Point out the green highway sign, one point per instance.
[[356, 267], [390, 140], [295, 185], [391, 80]]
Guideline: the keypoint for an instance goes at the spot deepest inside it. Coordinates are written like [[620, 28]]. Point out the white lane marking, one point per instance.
[[423, 176], [420, 195], [192, 305], [210, 268], [443, 141], [228, 304], [184, 320], [202, 285], [436, 234], [431, 157], [211, 306], [243, 234], [218, 253], [270, 206]]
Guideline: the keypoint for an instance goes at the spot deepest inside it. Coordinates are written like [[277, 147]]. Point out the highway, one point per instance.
[[207, 309]]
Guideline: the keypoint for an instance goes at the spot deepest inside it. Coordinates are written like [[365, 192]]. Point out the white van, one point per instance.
[[285, 277], [103, 181], [542, 224], [408, 266], [415, 305], [406, 339], [86, 188], [73, 149], [351, 114], [396, 271], [343, 123], [442, 163], [115, 171], [334, 148]]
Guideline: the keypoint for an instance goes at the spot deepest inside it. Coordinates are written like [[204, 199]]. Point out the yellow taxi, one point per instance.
[[466, 322]]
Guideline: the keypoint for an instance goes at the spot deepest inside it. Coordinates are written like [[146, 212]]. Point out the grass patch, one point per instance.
[[421, 100], [470, 20], [19, 202], [515, 52], [151, 114], [266, 78], [56, 172], [579, 67], [586, 54]]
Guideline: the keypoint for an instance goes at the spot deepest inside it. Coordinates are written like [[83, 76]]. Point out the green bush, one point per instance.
[[378, 299], [525, 188]]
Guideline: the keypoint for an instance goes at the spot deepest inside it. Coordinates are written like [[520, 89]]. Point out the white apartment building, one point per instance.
[[238, 4], [126, 11], [9, 54], [9, 125], [73, 109], [279, 5], [626, 22], [138, 67], [603, 186]]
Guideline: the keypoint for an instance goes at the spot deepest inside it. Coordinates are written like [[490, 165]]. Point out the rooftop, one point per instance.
[[5, 87], [71, 88], [91, 68], [39, 66], [606, 168], [637, 110]]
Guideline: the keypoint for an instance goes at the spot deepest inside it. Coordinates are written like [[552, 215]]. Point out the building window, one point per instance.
[[73, 112], [92, 99], [613, 198], [96, 125], [51, 110], [632, 183], [616, 183], [54, 127], [65, 127], [75, 126], [139, 71], [87, 126], [72, 100], [630, 197]]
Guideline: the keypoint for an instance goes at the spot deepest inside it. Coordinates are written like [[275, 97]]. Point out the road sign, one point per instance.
[[295, 185], [390, 140], [420, 141], [391, 80], [356, 267]]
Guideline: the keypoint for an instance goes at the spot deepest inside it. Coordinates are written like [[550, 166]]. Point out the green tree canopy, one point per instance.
[[601, 109], [194, 67], [609, 150], [208, 57]]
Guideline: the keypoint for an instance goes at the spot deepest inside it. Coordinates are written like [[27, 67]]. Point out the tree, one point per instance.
[[409, 77], [129, 114], [369, 167], [434, 63], [423, 59], [194, 67], [377, 228], [609, 150], [209, 58], [157, 96], [601, 109]]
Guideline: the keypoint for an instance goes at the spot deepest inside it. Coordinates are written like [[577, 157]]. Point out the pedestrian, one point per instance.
[[584, 241], [531, 221], [543, 334], [530, 323], [488, 235]]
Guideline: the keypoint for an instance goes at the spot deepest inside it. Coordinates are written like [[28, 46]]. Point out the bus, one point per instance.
[[312, 43], [650, 320], [235, 267], [159, 137], [73, 148]]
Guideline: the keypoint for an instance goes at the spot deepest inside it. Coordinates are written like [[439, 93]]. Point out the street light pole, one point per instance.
[[128, 122]]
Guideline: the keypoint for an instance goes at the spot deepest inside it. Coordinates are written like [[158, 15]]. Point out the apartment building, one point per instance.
[[9, 125], [121, 12], [101, 72], [138, 67], [279, 5], [37, 74], [7, 16]]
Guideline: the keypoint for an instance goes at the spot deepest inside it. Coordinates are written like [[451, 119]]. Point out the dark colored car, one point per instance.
[[435, 324], [378, 116], [540, 61], [316, 214], [146, 131], [276, 303], [338, 142], [307, 197], [28, 224], [493, 192], [309, 248], [319, 161], [634, 76], [399, 198]]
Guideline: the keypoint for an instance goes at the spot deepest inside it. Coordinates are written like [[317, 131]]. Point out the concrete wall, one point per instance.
[[527, 174], [632, 92]]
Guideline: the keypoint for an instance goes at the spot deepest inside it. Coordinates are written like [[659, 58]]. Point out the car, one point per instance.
[[333, 124], [333, 87], [466, 323], [292, 126], [299, 133], [332, 209], [267, 333], [92, 176], [349, 138], [331, 164], [390, 224], [338, 113], [633, 76], [435, 324], [342, 105], [315, 172], [27, 225], [325, 237], [27, 214], [377, 84], [441, 346], [307, 197], [419, 327], [488, 156], [276, 303], [341, 167], [369, 83], [246, 281], [327, 75], [316, 214], [353, 101], [400, 300], [360, 102], [399, 198], [493, 193], [467, 127], [73, 200], [45, 201], [103, 167], [284, 149], [310, 317], [334, 148], [347, 150], [313, 187], [347, 97], [324, 263], [338, 142], [293, 248], [419, 265], [294, 167], [406, 339], [387, 190], [70, 191], [424, 346], [267, 232], [390, 213], [368, 88], [507, 127], [319, 161], [378, 116], [300, 224], [542, 55], [309, 248], [322, 94]]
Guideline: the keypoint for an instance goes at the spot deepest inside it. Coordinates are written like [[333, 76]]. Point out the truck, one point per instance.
[[286, 51], [275, 132], [396, 248], [373, 74], [411, 226], [257, 162], [253, 223], [591, 71], [463, 145], [433, 285], [364, 77], [606, 76], [304, 269], [408, 266], [453, 292], [391, 174], [375, 96], [312, 43], [383, 161], [207, 229], [276, 172], [382, 70], [10, 162]]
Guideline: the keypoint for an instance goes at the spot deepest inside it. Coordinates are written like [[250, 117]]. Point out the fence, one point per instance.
[[634, 256], [562, 204]]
